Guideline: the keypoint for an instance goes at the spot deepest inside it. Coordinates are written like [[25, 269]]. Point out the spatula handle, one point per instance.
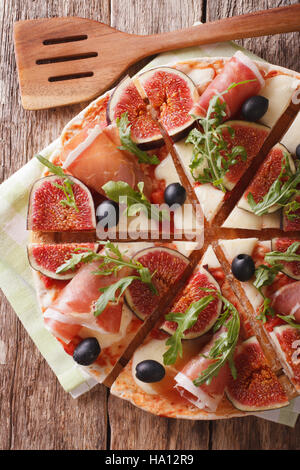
[[261, 23]]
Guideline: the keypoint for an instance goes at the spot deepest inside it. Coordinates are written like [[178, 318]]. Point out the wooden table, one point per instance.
[[35, 411]]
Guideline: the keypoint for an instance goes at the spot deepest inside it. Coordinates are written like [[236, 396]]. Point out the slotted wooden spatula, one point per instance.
[[64, 61]]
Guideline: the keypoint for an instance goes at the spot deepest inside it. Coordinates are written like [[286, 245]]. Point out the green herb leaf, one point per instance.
[[290, 319], [289, 255], [76, 258], [265, 276], [127, 143], [66, 187], [280, 192], [184, 321], [112, 293], [291, 208], [225, 344], [136, 200], [212, 158]]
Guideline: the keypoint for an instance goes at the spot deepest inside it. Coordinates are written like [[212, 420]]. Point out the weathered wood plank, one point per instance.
[[254, 433], [278, 49], [35, 411], [130, 427]]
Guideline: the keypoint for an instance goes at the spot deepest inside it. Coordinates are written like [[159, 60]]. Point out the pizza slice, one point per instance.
[[81, 294], [203, 360], [271, 293]]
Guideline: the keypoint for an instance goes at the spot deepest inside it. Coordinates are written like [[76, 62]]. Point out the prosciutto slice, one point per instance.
[[205, 396], [73, 308], [286, 301], [237, 69], [93, 157]]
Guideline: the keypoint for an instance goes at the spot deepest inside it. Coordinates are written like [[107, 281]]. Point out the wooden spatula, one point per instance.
[[64, 61]]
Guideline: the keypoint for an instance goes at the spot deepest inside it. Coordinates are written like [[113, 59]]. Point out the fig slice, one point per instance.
[[192, 293], [46, 213], [46, 258], [291, 222], [172, 95], [290, 268], [249, 135], [265, 177], [286, 300], [167, 265], [256, 387], [127, 99]]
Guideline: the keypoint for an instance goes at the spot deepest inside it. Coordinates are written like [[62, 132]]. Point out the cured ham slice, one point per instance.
[[286, 301], [286, 340], [93, 157], [205, 396], [237, 69], [73, 308]]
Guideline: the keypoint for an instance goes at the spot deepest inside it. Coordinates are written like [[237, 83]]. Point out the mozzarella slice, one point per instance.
[[233, 248], [239, 218], [210, 199], [201, 77], [210, 258], [185, 155], [166, 171], [292, 138], [153, 350], [279, 91]]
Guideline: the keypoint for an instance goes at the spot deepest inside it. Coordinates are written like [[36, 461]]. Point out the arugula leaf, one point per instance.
[[225, 344], [109, 293], [184, 321], [66, 187], [76, 258], [130, 146], [291, 208], [212, 158], [136, 200], [289, 255], [265, 276], [290, 319], [281, 190]]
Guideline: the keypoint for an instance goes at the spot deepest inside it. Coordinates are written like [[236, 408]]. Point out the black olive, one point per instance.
[[87, 351], [150, 371], [243, 267], [298, 151], [107, 214], [174, 194], [255, 107]]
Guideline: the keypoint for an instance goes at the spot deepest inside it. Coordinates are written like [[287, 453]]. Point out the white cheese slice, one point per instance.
[[166, 171], [292, 137], [210, 199], [210, 258], [239, 218], [271, 220], [279, 91], [185, 155], [233, 248], [201, 77], [153, 350]]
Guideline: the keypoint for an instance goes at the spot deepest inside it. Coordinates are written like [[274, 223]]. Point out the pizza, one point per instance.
[[196, 327]]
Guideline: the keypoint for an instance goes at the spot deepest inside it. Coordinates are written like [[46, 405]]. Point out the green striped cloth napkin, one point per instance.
[[15, 273]]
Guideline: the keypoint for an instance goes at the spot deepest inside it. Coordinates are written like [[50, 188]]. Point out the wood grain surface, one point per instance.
[[35, 411]]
